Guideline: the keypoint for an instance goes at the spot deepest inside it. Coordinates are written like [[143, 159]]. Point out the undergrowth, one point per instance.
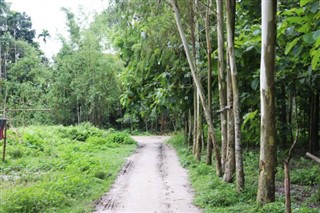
[[214, 195], [60, 169]]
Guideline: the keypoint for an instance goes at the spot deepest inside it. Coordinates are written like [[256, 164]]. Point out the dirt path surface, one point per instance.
[[152, 180]]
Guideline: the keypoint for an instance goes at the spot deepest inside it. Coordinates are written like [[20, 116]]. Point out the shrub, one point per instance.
[[120, 138], [16, 153], [33, 141], [31, 199]]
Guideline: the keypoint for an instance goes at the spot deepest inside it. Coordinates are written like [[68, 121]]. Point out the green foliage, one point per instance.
[[120, 138], [214, 195], [73, 168], [250, 128], [149, 47]]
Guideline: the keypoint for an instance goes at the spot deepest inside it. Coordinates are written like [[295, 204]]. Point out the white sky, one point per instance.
[[47, 14]]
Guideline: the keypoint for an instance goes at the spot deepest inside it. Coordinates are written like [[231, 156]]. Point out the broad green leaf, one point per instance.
[[308, 38], [290, 45], [290, 30], [255, 83], [296, 20], [315, 7], [317, 43], [304, 2], [304, 28], [315, 59], [316, 35]]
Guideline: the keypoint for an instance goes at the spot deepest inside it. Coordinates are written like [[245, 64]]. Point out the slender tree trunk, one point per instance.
[[197, 60], [196, 56], [230, 158], [231, 11], [314, 124], [283, 118], [199, 131], [287, 186], [190, 137], [268, 146], [207, 25], [195, 106], [290, 117], [199, 87], [15, 44], [222, 82], [195, 93]]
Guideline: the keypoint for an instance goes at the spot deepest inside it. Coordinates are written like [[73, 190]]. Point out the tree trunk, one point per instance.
[[196, 49], [230, 158], [231, 11], [314, 124], [287, 185], [268, 146], [195, 93], [190, 129], [290, 124], [222, 83], [195, 106], [209, 50], [199, 87], [198, 146], [283, 118]]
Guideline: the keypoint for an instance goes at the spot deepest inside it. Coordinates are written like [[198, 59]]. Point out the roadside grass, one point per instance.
[[60, 169], [214, 195]]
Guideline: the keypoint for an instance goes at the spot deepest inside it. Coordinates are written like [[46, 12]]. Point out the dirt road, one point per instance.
[[152, 180]]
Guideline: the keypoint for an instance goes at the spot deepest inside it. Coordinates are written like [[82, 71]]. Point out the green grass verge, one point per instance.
[[214, 195], [60, 169]]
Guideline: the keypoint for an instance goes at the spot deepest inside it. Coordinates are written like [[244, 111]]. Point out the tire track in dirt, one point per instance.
[[152, 180]]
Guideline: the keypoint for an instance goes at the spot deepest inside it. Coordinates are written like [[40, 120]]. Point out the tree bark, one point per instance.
[[190, 128], [268, 146], [196, 49], [199, 87], [209, 50], [222, 83], [283, 118], [230, 157], [198, 146], [314, 124], [195, 93], [231, 11], [287, 186]]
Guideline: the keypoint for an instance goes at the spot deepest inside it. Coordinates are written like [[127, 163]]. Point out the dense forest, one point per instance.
[[231, 76]]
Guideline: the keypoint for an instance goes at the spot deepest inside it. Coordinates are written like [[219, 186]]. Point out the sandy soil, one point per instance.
[[152, 180]]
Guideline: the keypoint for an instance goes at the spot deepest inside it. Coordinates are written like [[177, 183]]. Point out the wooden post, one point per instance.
[[4, 136], [4, 144]]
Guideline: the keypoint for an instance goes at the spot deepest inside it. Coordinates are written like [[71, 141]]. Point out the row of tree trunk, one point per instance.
[[229, 160]]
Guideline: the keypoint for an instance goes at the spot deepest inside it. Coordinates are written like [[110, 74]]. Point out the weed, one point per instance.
[[60, 169], [214, 195]]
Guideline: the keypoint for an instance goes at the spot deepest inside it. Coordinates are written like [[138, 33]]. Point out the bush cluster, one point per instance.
[[60, 169]]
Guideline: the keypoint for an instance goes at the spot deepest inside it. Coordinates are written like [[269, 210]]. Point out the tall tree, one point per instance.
[[209, 51], [231, 12], [198, 85], [196, 56], [268, 146], [44, 35], [222, 82]]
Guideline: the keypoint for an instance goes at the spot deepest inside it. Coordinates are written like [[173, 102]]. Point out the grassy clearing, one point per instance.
[[60, 169], [214, 195]]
